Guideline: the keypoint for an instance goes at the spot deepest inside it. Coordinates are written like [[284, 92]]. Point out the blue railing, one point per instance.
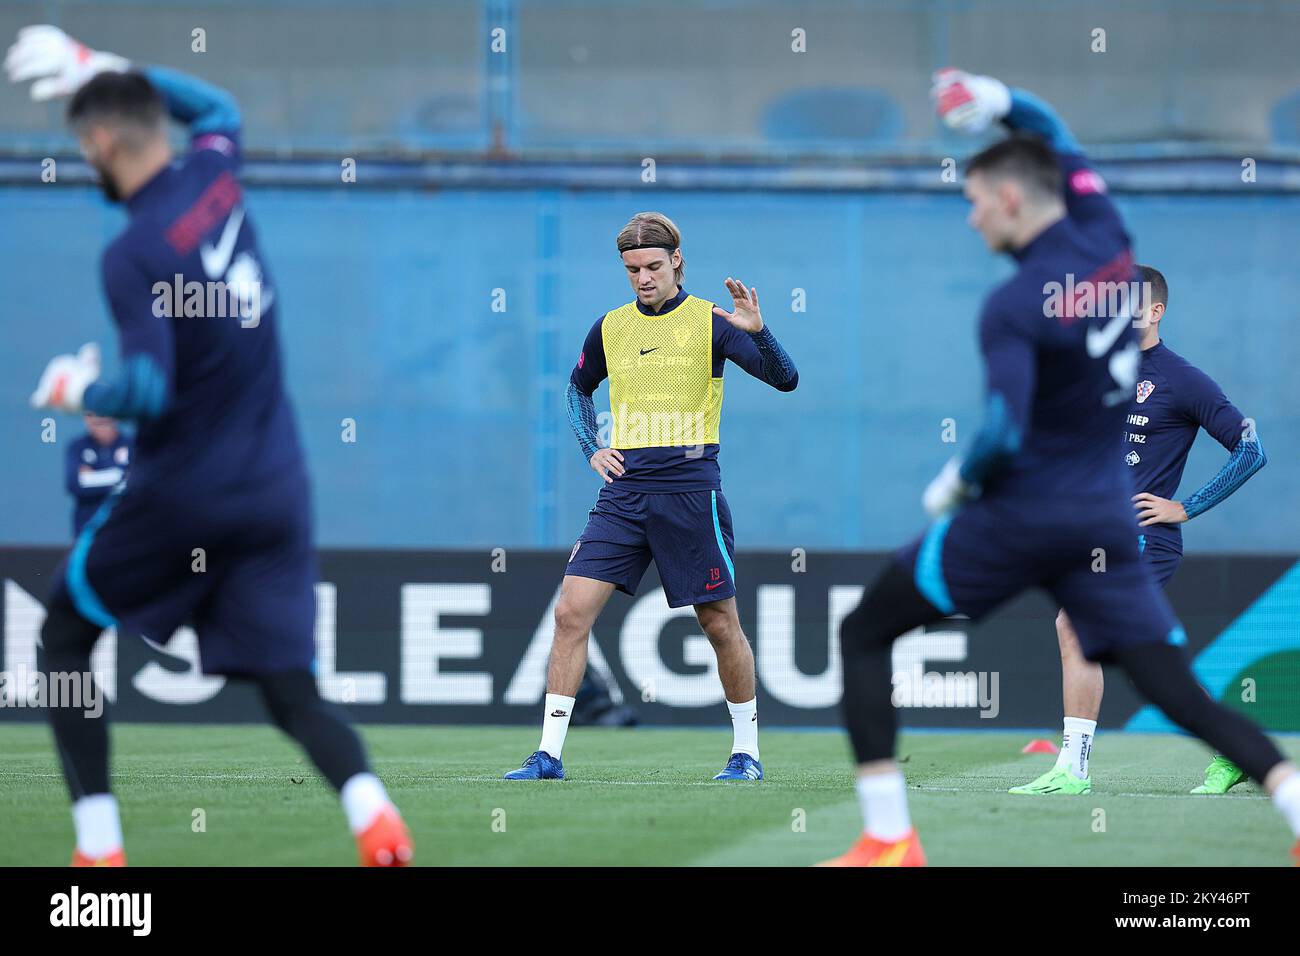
[[653, 78]]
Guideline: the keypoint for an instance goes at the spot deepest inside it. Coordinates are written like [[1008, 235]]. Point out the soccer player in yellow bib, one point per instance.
[[663, 354]]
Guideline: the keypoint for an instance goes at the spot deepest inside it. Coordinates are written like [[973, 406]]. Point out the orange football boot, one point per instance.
[[116, 858], [869, 851], [386, 842]]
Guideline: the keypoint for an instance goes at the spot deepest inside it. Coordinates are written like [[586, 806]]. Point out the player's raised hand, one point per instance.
[[946, 491], [968, 102], [745, 315], [607, 461], [59, 64], [1152, 509], [65, 379]]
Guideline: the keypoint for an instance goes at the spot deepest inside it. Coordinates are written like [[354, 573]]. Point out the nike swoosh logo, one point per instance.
[[1100, 340], [710, 587], [648, 351], [216, 259]]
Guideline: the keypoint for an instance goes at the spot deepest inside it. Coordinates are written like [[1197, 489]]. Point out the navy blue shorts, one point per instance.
[[1160, 558], [252, 604], [991, 550], [687, 534]]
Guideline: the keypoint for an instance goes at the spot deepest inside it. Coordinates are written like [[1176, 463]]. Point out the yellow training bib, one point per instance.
[[662, 392]]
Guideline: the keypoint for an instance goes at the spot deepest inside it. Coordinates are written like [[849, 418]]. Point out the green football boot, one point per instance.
[[1056, 780], [1220, 776]]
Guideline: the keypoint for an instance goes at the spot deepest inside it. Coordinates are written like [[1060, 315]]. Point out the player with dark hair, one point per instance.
[[1173, 401], [663, 354], [213, 526], [1044, 485]]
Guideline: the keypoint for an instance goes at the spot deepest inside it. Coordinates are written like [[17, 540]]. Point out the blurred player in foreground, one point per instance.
[[1173, 401], [96, 462], [1044, 485], [662, 499], [214, 525]]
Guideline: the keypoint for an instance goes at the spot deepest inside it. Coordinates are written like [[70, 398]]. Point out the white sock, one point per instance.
[[1287, 799], [99, 830], [363, 797], [1076, 746], [555, 723], [744, 727], [884, 806]]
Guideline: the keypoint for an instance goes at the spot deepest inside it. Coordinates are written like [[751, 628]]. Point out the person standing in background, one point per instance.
[[96, 462]]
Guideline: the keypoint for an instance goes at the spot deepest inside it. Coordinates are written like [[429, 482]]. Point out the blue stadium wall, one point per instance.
[[461, 438]]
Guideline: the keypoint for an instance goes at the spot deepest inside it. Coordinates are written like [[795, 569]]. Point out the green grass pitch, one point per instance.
[[633, 797]]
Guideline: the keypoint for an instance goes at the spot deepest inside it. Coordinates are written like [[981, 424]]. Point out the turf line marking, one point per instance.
[[1095, 793], [127, 776], [769, 785]]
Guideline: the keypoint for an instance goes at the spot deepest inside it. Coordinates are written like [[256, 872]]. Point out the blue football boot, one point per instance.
[[741, 767], [540, 766]]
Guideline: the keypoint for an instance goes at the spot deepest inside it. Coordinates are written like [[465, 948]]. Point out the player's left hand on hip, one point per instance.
[[64, 382], [746, 316], [947, 490], [968, 102], [59, 64], [1152, 509]]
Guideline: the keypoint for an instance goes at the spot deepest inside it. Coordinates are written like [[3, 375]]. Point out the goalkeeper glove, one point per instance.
[[968, 102], [59, 64], [947, 491], [64, 382]]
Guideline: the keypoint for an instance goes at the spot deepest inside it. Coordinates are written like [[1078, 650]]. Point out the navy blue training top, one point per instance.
[[1058, 349], [197, 316], [91, 472], [1173, 400]]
